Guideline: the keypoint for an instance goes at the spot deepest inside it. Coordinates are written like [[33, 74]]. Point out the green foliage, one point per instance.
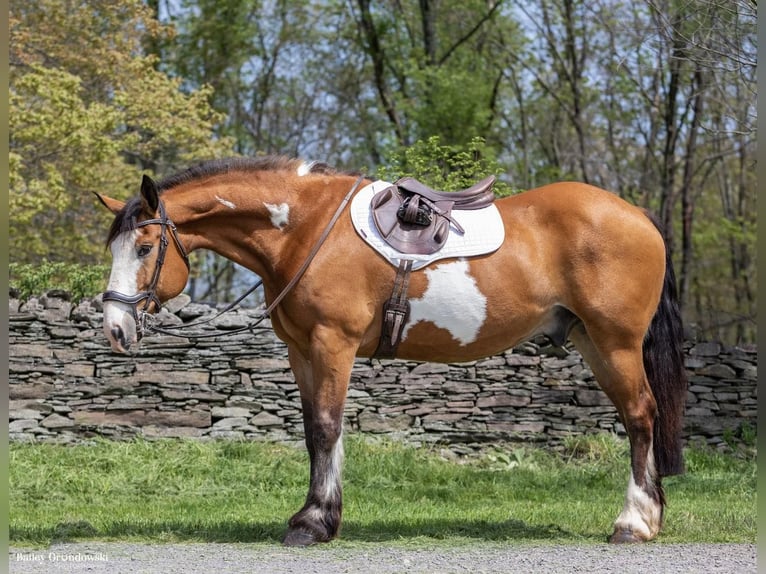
[[79, 281], [594, 447], [223, 491], [445, 167], [89, 112]]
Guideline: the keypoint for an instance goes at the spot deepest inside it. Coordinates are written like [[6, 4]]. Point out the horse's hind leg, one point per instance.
[[619, 370], [323, 382]]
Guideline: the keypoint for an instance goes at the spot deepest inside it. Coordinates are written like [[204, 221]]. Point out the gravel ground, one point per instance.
[[121, 558]]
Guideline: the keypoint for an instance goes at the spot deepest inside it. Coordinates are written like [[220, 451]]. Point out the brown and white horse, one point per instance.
[[576, 263]]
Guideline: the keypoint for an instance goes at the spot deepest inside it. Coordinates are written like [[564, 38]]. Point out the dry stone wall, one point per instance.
[[66, 385]]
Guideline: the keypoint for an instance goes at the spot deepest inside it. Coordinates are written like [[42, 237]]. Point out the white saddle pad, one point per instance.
[[484, 231]]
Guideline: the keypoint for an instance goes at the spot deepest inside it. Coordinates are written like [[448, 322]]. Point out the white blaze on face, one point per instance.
[[125, 267], [452, 301], [279, 214]]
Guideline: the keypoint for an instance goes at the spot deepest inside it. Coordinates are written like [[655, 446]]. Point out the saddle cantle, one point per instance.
[[413, 218]]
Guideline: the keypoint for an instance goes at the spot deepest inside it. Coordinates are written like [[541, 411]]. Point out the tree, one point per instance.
[[89, 112]]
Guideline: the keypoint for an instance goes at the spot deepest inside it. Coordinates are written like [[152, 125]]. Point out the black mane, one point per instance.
[[127, 218], [220, 166]]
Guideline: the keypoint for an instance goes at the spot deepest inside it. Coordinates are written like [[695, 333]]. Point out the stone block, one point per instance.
[[208, 397], [78, 369], [102, 418], [26, 413], [230, 412], [592, 398], [226, 434], [34, 390], [231, 422], [141, 418], [133, 403], [516, 427], [154, 431], [30, 350], [266, 419], [181, 376], [460, 388], [706, 349], [263, 364], [56, 421], [430, 369], [717, 371], [493, 401], [377, 423], [22, 425], [199, 419]]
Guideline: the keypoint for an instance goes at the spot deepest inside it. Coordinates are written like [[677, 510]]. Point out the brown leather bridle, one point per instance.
[[150, 295]]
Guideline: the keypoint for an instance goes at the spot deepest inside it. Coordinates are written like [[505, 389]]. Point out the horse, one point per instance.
[[576, 263]]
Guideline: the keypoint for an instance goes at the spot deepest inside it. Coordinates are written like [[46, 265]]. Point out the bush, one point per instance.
[[445, 167], [80, 281]]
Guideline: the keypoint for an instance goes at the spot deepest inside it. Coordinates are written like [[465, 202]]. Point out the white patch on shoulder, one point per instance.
[[305, 168], [279, 214], [452, 301], [225, 202]]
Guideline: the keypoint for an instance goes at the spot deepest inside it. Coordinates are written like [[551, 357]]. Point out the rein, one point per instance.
[[144, 324]]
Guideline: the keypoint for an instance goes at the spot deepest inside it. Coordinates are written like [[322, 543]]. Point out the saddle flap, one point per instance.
[[385, 206]]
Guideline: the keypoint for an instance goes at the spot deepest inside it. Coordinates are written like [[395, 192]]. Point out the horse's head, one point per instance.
[[149, 265]]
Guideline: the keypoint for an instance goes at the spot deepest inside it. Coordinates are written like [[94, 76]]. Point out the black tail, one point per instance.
[[664, 366]]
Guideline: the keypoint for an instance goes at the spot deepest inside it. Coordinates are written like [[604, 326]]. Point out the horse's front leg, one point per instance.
[[323, 381]]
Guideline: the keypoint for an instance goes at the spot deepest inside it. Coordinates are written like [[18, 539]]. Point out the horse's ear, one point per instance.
[[150, 194], [113, 205]]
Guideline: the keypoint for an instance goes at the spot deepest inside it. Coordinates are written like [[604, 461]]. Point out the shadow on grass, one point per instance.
[[272, 532]]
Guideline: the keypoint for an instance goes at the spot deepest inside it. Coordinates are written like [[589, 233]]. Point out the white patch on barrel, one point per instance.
[[279, 214], [452, 301]]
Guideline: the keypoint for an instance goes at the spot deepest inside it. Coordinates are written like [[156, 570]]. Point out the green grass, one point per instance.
[[170, 491]]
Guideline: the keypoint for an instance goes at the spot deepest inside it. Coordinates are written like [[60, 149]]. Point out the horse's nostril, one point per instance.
[[119, 336]]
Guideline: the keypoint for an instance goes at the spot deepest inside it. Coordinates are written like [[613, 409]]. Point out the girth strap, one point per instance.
[[395, 313]]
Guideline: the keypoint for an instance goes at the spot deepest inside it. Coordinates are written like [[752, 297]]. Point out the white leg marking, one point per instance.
[[225, 202], [305, 168], [279, 214], [333, 478], [451, 301], [641, 513]]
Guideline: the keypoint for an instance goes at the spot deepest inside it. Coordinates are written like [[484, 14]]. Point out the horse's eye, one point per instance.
[[144, 250]]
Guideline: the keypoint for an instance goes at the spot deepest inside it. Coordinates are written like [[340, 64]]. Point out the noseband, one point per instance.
[[150, 295]]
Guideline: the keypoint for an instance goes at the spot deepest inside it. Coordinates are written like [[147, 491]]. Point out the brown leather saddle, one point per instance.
[[413, 218]]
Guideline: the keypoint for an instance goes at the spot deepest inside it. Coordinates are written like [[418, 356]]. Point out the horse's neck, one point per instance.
[[263, 225]]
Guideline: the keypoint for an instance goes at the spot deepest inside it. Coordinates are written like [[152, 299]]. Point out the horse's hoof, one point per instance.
[[625, 536], [298, 538]]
